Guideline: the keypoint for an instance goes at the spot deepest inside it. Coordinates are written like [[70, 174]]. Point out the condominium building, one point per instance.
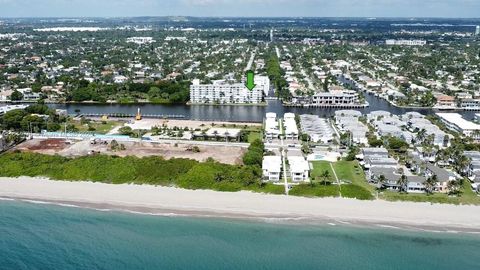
[[223, 92], [406, 42], [334, 98], [318, 129], [477, 30], [456, 122]]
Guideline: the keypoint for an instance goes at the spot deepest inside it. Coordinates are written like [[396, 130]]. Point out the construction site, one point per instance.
[[199, 151]]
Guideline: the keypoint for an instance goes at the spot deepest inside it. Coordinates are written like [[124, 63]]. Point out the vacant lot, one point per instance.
[[223, 154], [349, 174]]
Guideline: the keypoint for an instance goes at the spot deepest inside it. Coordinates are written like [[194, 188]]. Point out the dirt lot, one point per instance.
[[46, 146], [224, 154]]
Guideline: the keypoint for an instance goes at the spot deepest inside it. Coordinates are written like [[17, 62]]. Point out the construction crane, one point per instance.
[[139, 115]]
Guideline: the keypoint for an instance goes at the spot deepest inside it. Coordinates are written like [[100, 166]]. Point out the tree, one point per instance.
[[397, 145], [114, 145], [430, 183], [16, 95], [35, 122], [460, 162], [72, 128], [38, 109], [381, 181], [453, 187], [154, 92], [325, 175], [403, 183], [421, 135], [126, 130], [13, 119]]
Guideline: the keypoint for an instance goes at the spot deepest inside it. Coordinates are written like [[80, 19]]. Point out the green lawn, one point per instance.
[[101, 127], [254, 135], [356, 192], [349, 172], [318, 168], [317, 190], [467, 196]]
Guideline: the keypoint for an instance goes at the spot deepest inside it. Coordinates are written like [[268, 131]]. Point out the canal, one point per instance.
[[247, 113]]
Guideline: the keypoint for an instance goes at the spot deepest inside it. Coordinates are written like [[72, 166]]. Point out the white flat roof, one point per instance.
[[272, 163], [459, 121], [298, 164]]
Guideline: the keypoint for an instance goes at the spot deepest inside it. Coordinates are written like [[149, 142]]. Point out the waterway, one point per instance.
[[237, 113]]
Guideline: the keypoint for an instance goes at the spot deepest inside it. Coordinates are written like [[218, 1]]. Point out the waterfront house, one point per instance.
[[299, 169], [272, 130], [290, 126], [271, 167], [446, 102]]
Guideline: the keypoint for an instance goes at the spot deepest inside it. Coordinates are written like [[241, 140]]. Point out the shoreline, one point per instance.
[[169, 201]]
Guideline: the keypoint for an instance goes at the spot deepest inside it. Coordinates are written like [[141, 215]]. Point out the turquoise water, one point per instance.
[[36, 236]]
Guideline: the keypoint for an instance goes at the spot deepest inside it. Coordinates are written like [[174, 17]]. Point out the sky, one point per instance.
[[241, 8]]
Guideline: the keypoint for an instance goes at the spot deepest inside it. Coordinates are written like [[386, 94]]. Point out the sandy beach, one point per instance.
[[165, 200]]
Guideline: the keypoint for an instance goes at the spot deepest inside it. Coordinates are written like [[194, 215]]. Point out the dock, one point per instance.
[[131, 115]]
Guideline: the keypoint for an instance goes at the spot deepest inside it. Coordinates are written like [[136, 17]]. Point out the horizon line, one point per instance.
[[237, 17]]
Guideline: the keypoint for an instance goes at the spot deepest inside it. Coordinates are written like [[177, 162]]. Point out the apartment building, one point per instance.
[[334, 98], [456, 122], [224, 92], [406, 42]]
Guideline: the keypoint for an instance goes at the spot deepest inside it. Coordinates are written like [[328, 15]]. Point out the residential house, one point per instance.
[[299, 169], [271, 167]]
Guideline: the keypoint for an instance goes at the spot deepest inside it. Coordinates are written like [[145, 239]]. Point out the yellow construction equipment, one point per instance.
[[139, 115]]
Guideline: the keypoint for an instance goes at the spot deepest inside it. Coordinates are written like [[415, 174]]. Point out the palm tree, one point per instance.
[[325, 175], [403, 183], [461, 162], [421, 134], [453, 187], [204, 135], [431, 183], [381, 181], [476, 135]]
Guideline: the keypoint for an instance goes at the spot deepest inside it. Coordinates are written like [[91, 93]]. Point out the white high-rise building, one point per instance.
[[271, 35], [477, 30], [222, 92]]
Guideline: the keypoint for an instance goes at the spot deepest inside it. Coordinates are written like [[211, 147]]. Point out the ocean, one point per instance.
[[42, 236]]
